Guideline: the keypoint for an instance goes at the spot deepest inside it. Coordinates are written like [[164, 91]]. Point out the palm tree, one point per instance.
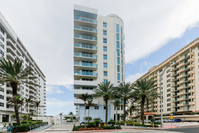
[[37, 105], [71, 116], [143, 89], [116, 104], [84, 97], [28, 101], [105, 90], [89, 104], [125, 92], [60, 115], [14, 75]]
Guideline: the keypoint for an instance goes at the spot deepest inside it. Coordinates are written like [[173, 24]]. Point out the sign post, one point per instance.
[[171, 117]]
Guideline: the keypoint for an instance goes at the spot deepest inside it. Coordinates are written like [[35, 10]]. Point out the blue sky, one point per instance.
[[154, 30], [140, 66]]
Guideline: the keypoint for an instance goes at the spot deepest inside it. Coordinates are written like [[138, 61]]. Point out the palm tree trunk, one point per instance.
[[116, 115], [124, 104], [88, 113], [106, 117], [14, 94], [142, 109], [85, 109]]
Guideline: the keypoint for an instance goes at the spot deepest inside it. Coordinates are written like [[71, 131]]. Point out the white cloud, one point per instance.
[[53, 102], [134, 77]]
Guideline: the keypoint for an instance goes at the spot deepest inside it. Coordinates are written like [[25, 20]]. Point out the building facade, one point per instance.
[[177, 79], [12, 48], [98, 57]]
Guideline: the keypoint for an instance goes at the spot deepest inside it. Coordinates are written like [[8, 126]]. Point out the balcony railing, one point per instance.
[[85, 55], [86, 37], [85, 46], [85, 73], [85, 64], [85, 20], [85, 28]]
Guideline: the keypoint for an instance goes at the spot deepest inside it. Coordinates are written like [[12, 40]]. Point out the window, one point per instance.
[[105, 73], [117, 36], [121, 107], [118, 68], [117, 27], [105, 65], [1, 104], [169, 109], [118, 52], [105, 49], [118, 76], [87, 107], [168, 95], [168, 104], [105, 57], [104, 24], [118, 60], [1, 37], [105, 80], [1, 89], [96, 107], [1, 97], [1, 44], [1, 30], [104, 40], [104, 107], [1, 52], [118, 44], [168, 100], [104, 32]]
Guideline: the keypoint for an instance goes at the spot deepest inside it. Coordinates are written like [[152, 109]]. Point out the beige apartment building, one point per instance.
[[11, 48], [177, 79]]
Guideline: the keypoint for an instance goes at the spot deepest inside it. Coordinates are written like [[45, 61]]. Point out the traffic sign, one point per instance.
[[171, 117]]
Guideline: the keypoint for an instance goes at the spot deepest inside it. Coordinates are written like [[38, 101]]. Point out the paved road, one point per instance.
[[184, 130]]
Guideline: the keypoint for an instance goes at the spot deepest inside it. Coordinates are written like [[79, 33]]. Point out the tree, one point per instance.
[[89, 104], [143, 89], [125, 92], [60, 115], [71, 116], [84, 97], [28, 101], [37, 105], [116, 104], [105, 90], [13, 74]]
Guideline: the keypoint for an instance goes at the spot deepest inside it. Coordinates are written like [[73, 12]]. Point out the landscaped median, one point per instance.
[[27, 126], [111, 125]]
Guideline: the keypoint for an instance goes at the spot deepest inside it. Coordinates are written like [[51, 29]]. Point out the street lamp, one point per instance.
[[161, 95]]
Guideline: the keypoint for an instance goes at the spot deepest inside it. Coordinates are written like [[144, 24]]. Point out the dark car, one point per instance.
[[176, 120]]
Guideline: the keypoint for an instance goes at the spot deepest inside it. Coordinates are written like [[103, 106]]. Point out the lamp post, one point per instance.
[[161, 95]]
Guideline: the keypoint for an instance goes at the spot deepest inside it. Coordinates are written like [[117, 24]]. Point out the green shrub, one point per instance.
[[157, 122], [112, 122], [21, 128], [91, 124], [120, 123], [97, 121]]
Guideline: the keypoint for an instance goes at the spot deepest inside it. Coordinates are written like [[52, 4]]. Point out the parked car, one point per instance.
[[176, 120]]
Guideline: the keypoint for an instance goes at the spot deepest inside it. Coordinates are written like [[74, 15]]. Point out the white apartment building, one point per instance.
[[11, 48], [98, 57]]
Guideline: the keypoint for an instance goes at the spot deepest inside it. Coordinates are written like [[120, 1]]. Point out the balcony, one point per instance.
[[85, 55], [86, 65], [85, 39], [81, 91], [79, 101], [85, 74], [85, 30], [84, 46], [85, 83], [86, 20]]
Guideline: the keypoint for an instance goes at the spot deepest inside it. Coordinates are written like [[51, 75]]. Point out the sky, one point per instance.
[[154, 30]]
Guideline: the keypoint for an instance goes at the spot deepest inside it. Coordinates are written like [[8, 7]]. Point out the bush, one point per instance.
[[97, 121], [120, 123], [91, 124], [157, 122], [21, 128], [112, 122]]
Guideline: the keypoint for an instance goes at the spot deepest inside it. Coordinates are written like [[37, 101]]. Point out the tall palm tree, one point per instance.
[[105, 90], [116, 104], [84, 97], [71, 116], [37, 105], [89, 104], [60, 115], [143, 89], [14, 75], [125, 92], [28, 101]]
